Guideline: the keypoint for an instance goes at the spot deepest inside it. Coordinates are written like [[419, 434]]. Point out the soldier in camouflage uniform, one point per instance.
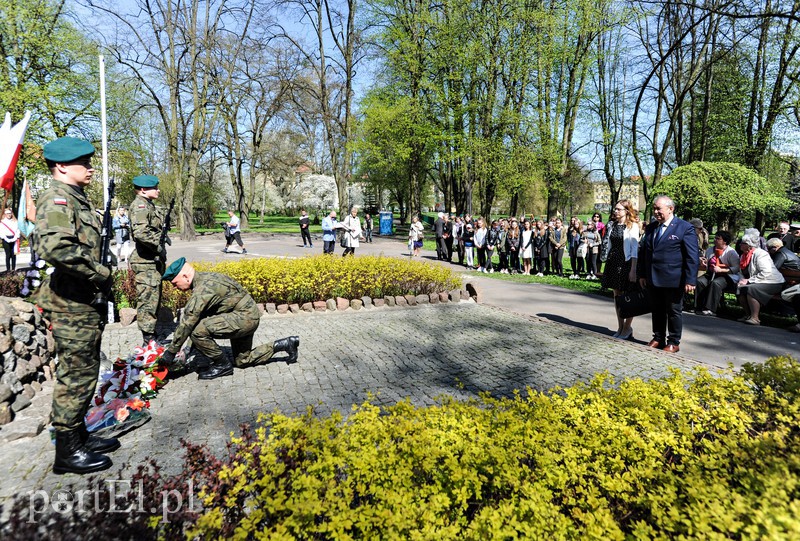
[[148, 257], [68, 238], [220, 308]]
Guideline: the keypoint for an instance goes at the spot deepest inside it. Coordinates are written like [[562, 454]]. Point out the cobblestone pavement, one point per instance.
[[416, 352]]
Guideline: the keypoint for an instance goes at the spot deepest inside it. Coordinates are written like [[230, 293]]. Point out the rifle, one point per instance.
[[164, 240], [101, 301]]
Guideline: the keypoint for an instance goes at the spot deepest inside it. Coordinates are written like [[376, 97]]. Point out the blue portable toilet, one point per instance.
[[386, 222]]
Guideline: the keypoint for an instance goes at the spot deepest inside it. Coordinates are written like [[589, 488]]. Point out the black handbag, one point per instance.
[[633, 303]]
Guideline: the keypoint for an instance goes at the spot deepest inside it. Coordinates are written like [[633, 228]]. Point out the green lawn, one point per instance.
[[271, 224]]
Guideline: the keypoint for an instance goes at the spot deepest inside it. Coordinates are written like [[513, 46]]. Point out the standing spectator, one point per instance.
[[368, 224], [415, 236], [447, 235], [622, 238], [668, 262], [513, 244], [234, 233], [480, 244], [10, 232], [329, 226], [591, 238], [352, 232], [502, 251], [458, 238], [721, 263], [305, 232], [438, 231], [121, 225], [492, 242], [541, 248], [600, 227], [783, 233], [702, 235], [527, 246], [469, 242], [558, 240], [760, 280], [577, 260]]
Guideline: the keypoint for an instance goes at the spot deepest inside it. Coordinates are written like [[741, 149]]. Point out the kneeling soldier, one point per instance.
[[220, 308]]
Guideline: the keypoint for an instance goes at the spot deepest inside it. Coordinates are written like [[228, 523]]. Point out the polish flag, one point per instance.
[[11, 138]]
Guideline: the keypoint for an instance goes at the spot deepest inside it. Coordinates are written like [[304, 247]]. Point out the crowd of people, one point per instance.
[[753, 268]]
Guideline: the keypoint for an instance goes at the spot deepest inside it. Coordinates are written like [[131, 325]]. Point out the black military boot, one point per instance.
[[96, 444], [217, 369], [147, 337], [73, 457], [289, 345]]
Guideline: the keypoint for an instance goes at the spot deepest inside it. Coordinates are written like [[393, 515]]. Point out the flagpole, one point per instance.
[[104, 136]]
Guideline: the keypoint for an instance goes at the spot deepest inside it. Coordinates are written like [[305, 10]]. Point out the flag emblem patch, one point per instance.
[[60, 201]]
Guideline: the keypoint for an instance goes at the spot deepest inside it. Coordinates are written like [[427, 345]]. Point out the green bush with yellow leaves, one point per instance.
[[317, 278], [686, 457]]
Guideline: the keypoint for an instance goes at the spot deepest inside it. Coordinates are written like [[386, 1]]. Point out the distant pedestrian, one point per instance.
[[352, 232], [121, 225], [329, 227], [234, 233], [304, 231], [9, 229], [368, 224]]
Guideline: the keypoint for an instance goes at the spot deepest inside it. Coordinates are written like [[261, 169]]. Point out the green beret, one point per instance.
[[67, 149], [145, 181], [173, 270]]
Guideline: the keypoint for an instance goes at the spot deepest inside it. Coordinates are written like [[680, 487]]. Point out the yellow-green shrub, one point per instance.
[[323, 277], [682, 457]]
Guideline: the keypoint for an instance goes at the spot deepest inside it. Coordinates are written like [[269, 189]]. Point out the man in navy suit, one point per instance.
[[667, 266]]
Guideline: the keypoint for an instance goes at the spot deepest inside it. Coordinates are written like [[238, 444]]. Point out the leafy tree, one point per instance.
[[721, 193]]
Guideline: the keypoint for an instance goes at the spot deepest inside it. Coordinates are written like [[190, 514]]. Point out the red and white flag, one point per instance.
[[11, 138]]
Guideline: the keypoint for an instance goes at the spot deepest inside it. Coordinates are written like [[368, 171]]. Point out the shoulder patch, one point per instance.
[[142, 206], [60, 201]]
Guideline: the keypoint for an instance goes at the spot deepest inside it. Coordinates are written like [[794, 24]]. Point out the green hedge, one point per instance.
[[311, 278], [702, 457]]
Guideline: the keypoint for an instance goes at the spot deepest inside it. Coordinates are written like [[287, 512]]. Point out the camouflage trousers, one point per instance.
[[239, 328], [148, 294], [77, 337]]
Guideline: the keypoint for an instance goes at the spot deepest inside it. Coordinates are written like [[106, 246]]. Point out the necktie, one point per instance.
[[660, 232]]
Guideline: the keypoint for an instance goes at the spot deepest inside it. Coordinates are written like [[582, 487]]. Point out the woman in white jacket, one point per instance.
[[9, 229], [621, 251], [352, 232], [760, 279], [415, 236]]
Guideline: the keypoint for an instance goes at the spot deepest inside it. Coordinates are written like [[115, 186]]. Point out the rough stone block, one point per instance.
[[464, 295], [28, 390], [51, 342], [379, 303], [331, 304], [294, 308], [422, 298], [20, 403], [21, 306], [11, 379], [434, 298], [27, 427], [36, 386], [35, 361], [356, 304], [390, 301], [6, 413], [6, 342], [20, 348], [367, 301], [444, 297], [5, 392], [127, 316], [411, 300], [282, 308], [271, 308], [9, 361], [474, 291], [261, 309], [342, 303], [48, 372], [320, 306], [400, 301], [307, 307]]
